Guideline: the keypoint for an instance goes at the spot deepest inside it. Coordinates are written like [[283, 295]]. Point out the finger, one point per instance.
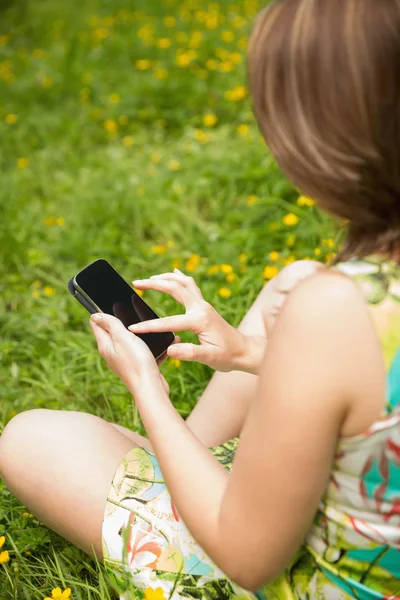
[[165, 383], [181, 293], [101, 335], [164, 355], [108, 322], [191, 352], [186, 281], [188, 322]]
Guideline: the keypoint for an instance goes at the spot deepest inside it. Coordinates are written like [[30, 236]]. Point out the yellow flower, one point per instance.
[[57, 594], [176, 362], [242, 129], [48, 290], [11, 119], [230, 277], [161, 73], [2, 540], [212, 64], [110, 125], [209, 120], [251, 200], [317, 251], [170, 243], [291, 240], [290, 219], [128, 141], [226, 269], [192, 262], [242, 257], [330, 243], [164, 43], [213, 269], [139, 292], [100, 34], [170, 21], [289, 260], [123, 120], [329, 257], [4, 557], [49, 221], [201, 136], [159, 249], [227, 36], [35, 294], [176, 263], [236, 94], [236, 57], [174, 165], [242, 268], [28, 515], [142, 64], [305, 201], [60, 221], [154, 594], [225, 292], [274, 256], [270, 272], [22, 163], [114, 98], [226, 66]]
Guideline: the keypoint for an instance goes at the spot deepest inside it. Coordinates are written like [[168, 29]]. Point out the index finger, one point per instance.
[[177, 323]]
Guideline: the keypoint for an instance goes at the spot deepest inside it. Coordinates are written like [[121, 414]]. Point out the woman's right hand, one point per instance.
[[222, 347]]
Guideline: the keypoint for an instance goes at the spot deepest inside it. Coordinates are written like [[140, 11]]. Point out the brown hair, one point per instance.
[[325, 81]]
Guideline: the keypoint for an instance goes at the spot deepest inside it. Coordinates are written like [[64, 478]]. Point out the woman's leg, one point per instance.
[[60, 464], [221, 410]]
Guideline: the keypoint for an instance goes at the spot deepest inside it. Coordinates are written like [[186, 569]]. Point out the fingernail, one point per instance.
[[178, 271], [96, 318], [137, 281], [134, 326]]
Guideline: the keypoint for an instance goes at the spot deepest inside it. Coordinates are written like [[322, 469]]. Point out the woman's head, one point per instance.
[[325, 81]]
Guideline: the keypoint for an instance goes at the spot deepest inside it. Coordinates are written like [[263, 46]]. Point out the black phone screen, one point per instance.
[[113, 295]]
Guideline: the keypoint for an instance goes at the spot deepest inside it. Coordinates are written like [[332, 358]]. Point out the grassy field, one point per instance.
[[126, 133]]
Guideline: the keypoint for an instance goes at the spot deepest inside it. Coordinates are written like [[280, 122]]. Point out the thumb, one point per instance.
[[190, 352]]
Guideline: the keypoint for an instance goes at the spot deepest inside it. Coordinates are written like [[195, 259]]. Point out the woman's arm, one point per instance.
[[252, 521]]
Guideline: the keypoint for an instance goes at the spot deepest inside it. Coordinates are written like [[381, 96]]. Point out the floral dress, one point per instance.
[[353, 547]]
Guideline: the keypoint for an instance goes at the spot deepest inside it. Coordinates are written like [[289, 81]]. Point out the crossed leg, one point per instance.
[[60, 464]]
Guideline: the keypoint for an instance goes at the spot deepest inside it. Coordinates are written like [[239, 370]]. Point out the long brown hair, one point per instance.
[[325, 82]]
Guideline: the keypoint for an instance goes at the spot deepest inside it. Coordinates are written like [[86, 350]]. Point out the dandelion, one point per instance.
[[242, 257], [49, 290], [290, 219], [212, 64], [251, 200], [226, 66], [161, 73], [192, 262], [57, 594], [110, 125], [60, 221], [174, 165], [230, 277], [176, 362], [164, 43], [274, 256], [225, 292], [330, 243], [2, 540], [242, 129], [159, 249], [49, 221], [227, 36], [236, 94], [305, 201], [236, 57], [170, 21], [4, 557], [201, 136], [142, 64], [209, 120], [22, 163], [139, 292], [154, 594], [317, 251], [28, 515], [289, 260], [100, 34], [270, 272], [11, 119], [114, 98], [123, 120], [128, 141], [226, 269], [213, 269]]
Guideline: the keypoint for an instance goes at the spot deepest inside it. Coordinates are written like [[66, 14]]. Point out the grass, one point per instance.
[[108, 149]]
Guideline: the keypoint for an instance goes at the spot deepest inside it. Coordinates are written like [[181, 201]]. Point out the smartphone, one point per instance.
[[100, 288]]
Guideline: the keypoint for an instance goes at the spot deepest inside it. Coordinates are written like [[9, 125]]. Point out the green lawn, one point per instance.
[[125, 134]]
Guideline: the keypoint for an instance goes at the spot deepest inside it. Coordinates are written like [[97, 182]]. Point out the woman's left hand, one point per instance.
[[125, 354]]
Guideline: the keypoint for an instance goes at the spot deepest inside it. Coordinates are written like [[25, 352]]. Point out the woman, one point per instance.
[[311, 506]]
